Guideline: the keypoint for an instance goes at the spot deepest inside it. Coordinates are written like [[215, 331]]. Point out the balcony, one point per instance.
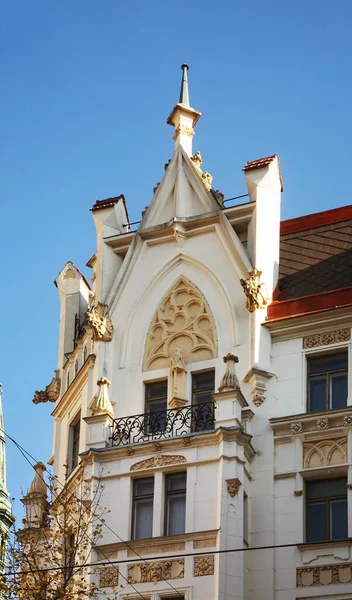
[[164, 424]]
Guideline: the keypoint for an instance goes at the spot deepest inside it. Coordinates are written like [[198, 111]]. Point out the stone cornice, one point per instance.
[[310, 324], [323, 424], [75, 387], [305, 546], [235, 434]]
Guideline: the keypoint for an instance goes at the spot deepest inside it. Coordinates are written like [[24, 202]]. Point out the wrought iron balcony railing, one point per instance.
[[163, 424]]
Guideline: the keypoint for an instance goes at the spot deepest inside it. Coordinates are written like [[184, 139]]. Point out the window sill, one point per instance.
[[306, 546]]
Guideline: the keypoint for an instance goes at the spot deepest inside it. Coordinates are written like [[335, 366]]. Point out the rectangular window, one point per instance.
[[326, 509], [70, 552], [175, 503], [142, 509], [156, 406], [75, 430], [203, 385], [327, 382], [245, 518]]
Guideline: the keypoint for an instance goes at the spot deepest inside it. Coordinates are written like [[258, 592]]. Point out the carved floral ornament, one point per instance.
[[203, 565], [255, 291], [183, 129], [229, 381], [182, 323], [326, 338], [51, 392], [158, 461], [100, 322], [156, 571], [324, 575]]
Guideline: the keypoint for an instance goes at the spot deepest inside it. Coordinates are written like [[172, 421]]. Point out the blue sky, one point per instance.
[[86, 89]]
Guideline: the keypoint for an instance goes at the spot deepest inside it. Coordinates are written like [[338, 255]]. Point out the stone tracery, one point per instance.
[[182, 323]]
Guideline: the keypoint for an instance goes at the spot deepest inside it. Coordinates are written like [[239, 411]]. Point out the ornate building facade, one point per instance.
[[6, 516], [204, 379]]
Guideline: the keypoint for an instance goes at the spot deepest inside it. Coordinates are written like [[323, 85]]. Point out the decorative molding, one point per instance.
[[203, 565], [108, 576], [347, 421], [183, 129], [297, 427], [229, 381], [197, 160], [324, 453], [326, 338], [256, 293], [158, 447], [233, 485], [158, 461], [207, 178], [156, 571], [323, 423], [182, 323], [324, 575], [298, 492], [100, 322], [257, 379], [349, 486], [51, 392]]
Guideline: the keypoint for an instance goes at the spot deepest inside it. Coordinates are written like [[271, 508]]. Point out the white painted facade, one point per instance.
[[186, 233]]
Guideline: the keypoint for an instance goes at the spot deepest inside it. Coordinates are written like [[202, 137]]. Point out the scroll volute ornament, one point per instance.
[[100, 322], [182, 323], [51, 392], [256, 293]]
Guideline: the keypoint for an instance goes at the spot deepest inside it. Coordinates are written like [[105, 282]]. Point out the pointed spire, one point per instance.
[[183, 117], [102, 403], [184, 95]]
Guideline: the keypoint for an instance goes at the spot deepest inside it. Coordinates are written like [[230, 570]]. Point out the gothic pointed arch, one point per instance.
[[182, 321]]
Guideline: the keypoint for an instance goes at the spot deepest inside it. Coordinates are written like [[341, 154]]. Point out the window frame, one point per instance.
[[327, 500], [148, 402], [168, 494], [138, 497], [194, 404], [332, 352], [72, 438]]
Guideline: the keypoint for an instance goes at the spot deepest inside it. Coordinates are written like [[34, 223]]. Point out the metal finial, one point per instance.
[[184, 95]]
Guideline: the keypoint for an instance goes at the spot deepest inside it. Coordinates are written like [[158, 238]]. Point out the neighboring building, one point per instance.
[[6, 516], [201, 454]]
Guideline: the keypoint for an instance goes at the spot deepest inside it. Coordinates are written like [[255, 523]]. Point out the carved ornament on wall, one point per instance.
[[183, 129], [100, 322], [182, 321], [158, 461], [51, 392], [109, 576], [323, 423], [203, 565], [229, 380], [233, 485], [324, 453], [297, 427], [156, 571], [255, 291], [326, 338], [324, 575]]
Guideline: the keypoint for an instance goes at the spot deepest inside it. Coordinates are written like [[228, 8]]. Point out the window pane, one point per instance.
[[326, 488], [203, 380], [317, 394], [338, 390], [322, 364], [156, 389], [316, 521], [143, 487], [143, 518], [338, 519], [176, 514], [176, 482]]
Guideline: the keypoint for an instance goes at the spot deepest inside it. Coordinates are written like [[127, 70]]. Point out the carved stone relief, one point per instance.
[[297, 427], [156, 571], [108, 576], [324, 575], [233, 485], [323, 423], [324, 453], [326, 338], [182, 321], [51, 392], [203, 565], [229, 380], [177, 378], [255, 291], [100, 322], [184, 130], [158, 461]]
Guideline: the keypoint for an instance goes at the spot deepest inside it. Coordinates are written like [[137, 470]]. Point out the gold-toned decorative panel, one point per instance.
[[324, 453], [324, 575], [156, 571], [203, 565], [182, 321], [326, 338], [159, 461], [109, 576]]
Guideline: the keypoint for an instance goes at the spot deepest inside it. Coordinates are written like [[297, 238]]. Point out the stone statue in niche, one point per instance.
[[177, 379]]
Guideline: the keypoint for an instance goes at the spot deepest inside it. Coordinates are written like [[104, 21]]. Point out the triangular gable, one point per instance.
[[181, 193]]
